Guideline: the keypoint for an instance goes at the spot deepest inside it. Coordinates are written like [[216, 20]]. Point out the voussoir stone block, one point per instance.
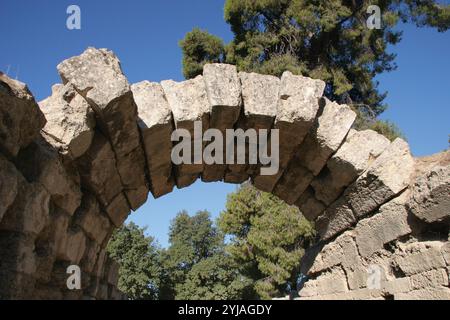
[[188, 101], [70, 120], [93, 221], [20, 116], [297, 109], [389, 174], [260, 100], [98, 171], [156, 125], [357, 153], [97, 76], [321, 142], [430, 200], [223, 88]]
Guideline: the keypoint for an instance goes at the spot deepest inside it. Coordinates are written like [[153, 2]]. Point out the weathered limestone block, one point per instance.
[[260, 98], [98, 170], [433, 278], [70, 120], [342, 251], [332, 127], [425, 294], [20, 116], [330, 282], [390, 223], [72, 247], [9, 184], [89, 259], [297, 109], [188, 101], [224, 95], [330, 130], [156, 126], [29, 213], [41, 163], [430, 200], [445, 250], [310, 207], [389, 174], [92, 220], [420, 257], [118, 210], [357, 153], [335, 219], [96, 75]]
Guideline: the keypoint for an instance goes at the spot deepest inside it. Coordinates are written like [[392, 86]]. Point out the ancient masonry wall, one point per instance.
[[73, 167]]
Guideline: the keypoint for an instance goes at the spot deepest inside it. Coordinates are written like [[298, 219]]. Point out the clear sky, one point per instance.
[[145, 34]]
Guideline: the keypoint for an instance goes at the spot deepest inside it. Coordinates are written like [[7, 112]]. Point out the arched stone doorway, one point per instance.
[[72, 170]]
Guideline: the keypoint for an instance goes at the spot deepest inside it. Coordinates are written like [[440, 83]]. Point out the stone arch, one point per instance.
[[73, 167]]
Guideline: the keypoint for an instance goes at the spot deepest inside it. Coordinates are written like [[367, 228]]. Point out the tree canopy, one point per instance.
[[268, 239], [328, 40]]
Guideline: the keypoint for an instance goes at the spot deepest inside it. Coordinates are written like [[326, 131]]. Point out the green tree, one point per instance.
[[327, 40], [138, 256], [195, 264], [215, 278], [268, 239]]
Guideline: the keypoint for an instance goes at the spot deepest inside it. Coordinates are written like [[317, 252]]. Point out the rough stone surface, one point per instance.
[[430, 199], [260, 98], [224, 95], [96, 75], [390, 223], [188, 101], [330, 130], [359, 150], [70, 120], [20, 116], [156, 125], [298, 104], [389, 174]]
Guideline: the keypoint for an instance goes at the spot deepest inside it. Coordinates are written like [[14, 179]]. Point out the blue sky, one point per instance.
[[145, 34]]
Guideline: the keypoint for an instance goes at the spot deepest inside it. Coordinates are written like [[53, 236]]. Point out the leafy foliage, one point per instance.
[[328, 40], [138, 256], [268, 239]]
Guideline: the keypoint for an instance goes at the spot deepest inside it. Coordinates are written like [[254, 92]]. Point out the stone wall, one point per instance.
[[74, 166]]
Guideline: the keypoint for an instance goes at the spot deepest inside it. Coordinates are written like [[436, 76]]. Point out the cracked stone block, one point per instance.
[[70, 120], [389, 174]]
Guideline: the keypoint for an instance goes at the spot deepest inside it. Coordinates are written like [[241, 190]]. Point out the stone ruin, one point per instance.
[[73, 167]]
